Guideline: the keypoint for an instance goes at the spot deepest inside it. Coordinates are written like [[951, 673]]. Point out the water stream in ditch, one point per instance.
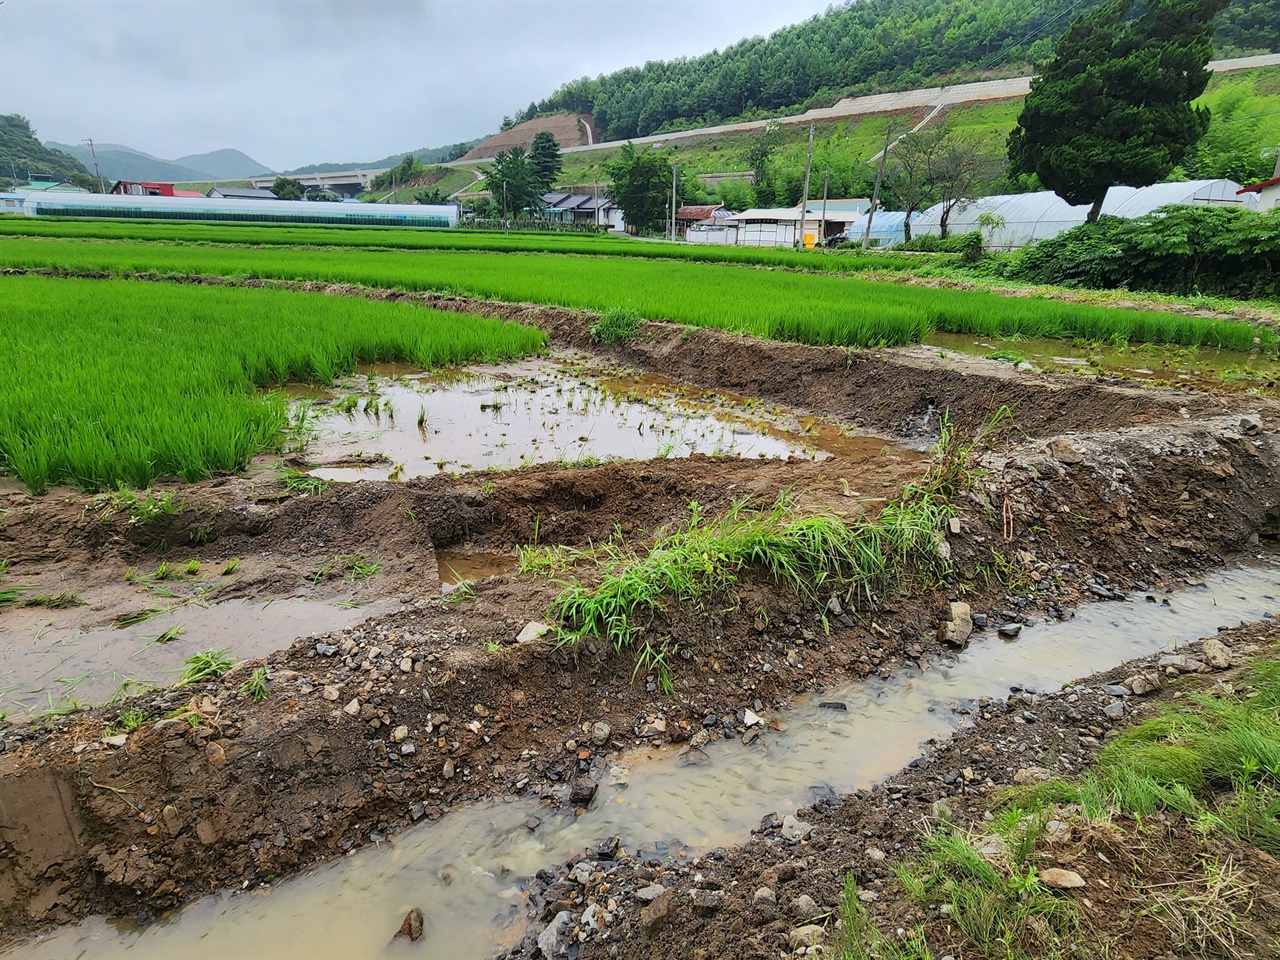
[[464, 870]]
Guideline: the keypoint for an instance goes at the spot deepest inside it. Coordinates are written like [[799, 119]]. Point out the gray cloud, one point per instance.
[[292, 82]]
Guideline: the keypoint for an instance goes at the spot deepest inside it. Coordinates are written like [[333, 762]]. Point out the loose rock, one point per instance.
[[1061, 879], [795, 829], [411, 926]]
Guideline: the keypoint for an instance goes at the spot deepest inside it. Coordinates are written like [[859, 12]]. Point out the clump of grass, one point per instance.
[[131, 720], [296, 481], [167, 571], [256, 686], [142, 509], [460, 592], [806, 553], [54, 601], [615, 325], [192, 567], [1009, 356], [138, 616], [547, 561], [1215, 759], [206, 666], [357, 566], [231, 566]]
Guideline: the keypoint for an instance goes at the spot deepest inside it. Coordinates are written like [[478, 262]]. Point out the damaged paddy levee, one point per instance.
[[632, 690]]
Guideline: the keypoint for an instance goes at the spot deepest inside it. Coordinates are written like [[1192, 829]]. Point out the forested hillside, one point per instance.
[[22, 155], [853, 49]]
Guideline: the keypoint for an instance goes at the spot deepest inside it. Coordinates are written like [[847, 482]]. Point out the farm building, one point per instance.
[[696, 213], [239, 193], [49, 186], [1019, 220], [1268, 191], [107, 206], [779, 226], [145, 188], [580, 208], [833, 219], [11, 202]]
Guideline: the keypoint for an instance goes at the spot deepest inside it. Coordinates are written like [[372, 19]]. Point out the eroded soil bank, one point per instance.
[[232, 791]]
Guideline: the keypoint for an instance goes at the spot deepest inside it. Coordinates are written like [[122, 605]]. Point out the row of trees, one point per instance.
[[852, 48]]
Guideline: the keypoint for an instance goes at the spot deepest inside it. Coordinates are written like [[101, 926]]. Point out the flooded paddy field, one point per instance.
[[432, 736], [411, 424]]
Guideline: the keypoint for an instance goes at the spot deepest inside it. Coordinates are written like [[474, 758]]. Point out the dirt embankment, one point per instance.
[[393, 721]]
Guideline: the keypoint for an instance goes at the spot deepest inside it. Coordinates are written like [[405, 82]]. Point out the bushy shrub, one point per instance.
[[968, 244], [1222, 251]]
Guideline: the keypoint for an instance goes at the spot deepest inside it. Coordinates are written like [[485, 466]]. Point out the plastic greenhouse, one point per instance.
[[886, 229], [109, 206], [1024, 218]]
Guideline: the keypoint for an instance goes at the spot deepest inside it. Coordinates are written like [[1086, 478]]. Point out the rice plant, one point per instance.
[[256, 686], [296, 481], [206, 666], [231, 566], [113, 384]]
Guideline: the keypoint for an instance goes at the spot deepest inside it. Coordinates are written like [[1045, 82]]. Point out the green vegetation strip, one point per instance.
[[807, 553], [772, 304], [120, 382], [396, 238]]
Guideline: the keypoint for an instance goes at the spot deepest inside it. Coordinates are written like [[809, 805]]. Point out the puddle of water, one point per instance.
[[1224, 369], [463, 871], [45, 666], [458, 565], [542, 412]]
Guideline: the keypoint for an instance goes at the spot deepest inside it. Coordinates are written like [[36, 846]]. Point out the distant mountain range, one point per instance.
[[427, 155], [119, 162]]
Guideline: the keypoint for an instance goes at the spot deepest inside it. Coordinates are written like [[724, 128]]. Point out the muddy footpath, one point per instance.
[[404, 698]]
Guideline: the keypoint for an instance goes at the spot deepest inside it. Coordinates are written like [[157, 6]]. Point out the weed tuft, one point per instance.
[[206, 666]]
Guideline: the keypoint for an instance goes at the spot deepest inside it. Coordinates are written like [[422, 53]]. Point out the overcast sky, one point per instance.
[[292, 82]]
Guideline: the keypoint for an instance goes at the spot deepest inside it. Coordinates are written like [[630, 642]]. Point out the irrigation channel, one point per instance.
[[465, 870], [398, 423]]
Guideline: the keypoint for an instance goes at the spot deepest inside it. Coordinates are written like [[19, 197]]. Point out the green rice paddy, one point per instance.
[[115, 381], [774, 304]]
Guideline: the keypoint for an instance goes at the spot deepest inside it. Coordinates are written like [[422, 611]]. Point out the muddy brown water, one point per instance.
[[1188, 366], [464, 871], [456, 566], [548, 411], [47, 666]]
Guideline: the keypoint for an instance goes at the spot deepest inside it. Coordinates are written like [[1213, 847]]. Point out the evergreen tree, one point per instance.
[[1114, 104], [544, 160], [287, 188], [511, 181], [640, 184]]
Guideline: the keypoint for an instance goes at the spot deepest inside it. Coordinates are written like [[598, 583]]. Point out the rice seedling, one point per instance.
[[256, 686], [359, 566], [296, 481], [206, 666], [54, 601], [167, 571], [101, 395], [192, 567], [231, 566], [780, 305], [139, 616], [169, 635], [131, 720]]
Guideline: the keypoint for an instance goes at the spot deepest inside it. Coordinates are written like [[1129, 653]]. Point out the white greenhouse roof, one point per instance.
[[110, 206], [1029, 217]]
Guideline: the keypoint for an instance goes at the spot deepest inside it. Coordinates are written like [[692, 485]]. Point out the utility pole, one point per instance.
[[92, 150], [826, 182], [804, 201], [875, 194], [504, 208], [673, 202]]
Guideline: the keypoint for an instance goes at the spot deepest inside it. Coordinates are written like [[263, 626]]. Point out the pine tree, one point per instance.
[[544, 160], [1114, 104]]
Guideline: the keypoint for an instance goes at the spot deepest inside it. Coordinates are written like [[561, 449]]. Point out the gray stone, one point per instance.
[[1114, 710], [795, 829], [449, 769], [1115, 690], [1010, 631], [1216, 653], [582, 791], [750, 719], [600, 733], [805, 906], [707, 900], [765, 895], [581, 872], [532, 631], [874, 854], [1061, 879], [555, 938], [407, 749], [172, 820], [833, 606], [326, 649], [331, 693], [809, 935], [1141, 684], [650, 893], [353, 708], [959, 627], [1250, 426], [118, 740]]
